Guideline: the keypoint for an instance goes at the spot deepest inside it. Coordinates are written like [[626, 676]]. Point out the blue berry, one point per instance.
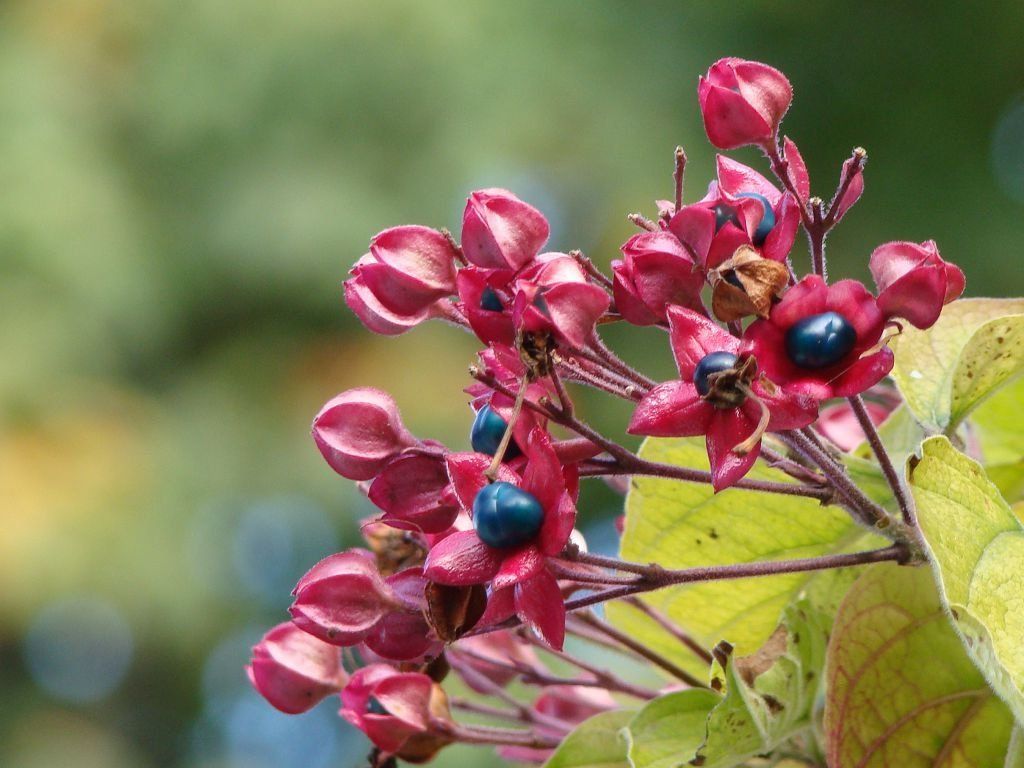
[[714, 362], [821, 340], [724, 214], [506, 516], [488, 429], [374, 707], [767, 218], [490, 300]]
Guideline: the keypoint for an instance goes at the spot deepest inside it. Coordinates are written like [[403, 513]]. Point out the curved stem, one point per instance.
[[884, 460]]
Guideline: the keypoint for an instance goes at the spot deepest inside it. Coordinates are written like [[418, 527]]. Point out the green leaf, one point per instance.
[[598, 742], [681, 524], [668, 731], [900, 689], [998, 427], [946, 370], [768, 695], [976, 544], [901, 435]]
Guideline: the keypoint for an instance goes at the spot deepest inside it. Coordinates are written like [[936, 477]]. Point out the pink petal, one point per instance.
[[694, 226], [797, 168], [518, 566], [854, 302], [693, 336], [853, 191], [672, 409], [501, 231], [729, 119], [411, 490], [808, 297], [729, 427], [543, 477], [780, 240], [917, 296], [863, 374], [462, 560], [421, 253], [735, 177], [374, 315], [539, 604]]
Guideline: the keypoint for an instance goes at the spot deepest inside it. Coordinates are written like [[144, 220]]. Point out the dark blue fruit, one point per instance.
[[506, 516], [490, 301], [488, 429], [767, 218], [821, 340], [374, 707], [725, 213], [714, 362]]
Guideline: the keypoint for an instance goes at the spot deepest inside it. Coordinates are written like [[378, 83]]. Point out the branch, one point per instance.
[[884, 460]]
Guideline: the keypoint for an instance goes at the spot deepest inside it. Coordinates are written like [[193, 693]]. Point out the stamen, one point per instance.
[[492, 471], [755, 437]]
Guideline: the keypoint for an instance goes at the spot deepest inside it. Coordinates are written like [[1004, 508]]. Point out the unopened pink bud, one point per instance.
[[294, 670], [359, 431], [914, 282], [409, 268], [743, 102], [342, 598], [500, 231], [387, 705]]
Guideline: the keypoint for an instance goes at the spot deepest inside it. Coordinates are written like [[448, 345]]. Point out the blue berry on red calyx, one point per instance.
[[711, 363], [487, 431], [767, 223], [490, 300], [506, 516], [724, 214], [821, 340]]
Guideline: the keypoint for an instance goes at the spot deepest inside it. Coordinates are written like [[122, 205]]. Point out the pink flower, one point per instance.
[[343, 600], [742, 208], [359, 431], [719, 409], [743, 102], [914, 282], [518, 572], [500, 231], [293, 670], [414, 491], [409, 268], [388, 706], [656, 271], [555, 295], [570, 704], [486, 301], [839, 424], [822, 340], [374, 315]]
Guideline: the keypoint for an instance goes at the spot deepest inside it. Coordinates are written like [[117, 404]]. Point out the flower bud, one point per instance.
[[554, 295], [390, 706], [294, 670], [656, 271], [415, 493], [374, 315], [743, 102], [342, 598], [359, 431], [412, 268], [500, 231], [914, 282]]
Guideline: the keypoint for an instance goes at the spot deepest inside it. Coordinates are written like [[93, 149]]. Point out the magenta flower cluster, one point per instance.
[[474, 564]]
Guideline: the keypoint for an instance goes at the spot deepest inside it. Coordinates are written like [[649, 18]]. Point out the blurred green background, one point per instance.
[[184, 186]]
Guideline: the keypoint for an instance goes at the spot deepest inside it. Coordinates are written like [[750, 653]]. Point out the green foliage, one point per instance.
[[598, 743], [900, 689], [670, 729], [769, 694], [998, 427], [685, 524], [976, 544], [943, 372]]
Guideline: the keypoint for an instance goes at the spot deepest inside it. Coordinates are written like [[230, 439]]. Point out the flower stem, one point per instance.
[[884, 460], [652, 656], [669, 626], [677, 176]]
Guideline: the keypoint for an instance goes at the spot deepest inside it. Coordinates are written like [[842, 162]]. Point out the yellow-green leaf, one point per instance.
[[998, 427], [668, 731], [598, 742], [900, 689], [769, 694], [679, 524], [946, 370], [976, 544]]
